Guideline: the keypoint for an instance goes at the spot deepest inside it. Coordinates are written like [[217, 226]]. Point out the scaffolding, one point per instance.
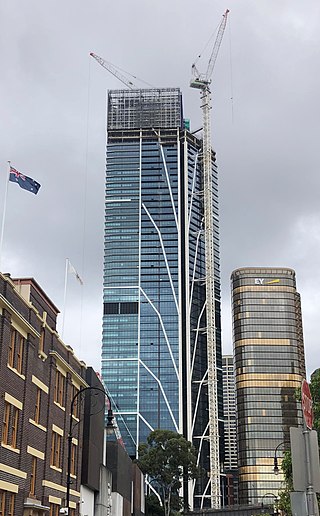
[[144, 108]]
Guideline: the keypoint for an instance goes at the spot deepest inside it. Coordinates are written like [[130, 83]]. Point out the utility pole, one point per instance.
[[311, 497], [307, 409]]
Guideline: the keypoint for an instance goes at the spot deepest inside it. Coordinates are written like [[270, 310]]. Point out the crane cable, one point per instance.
[[231, 73], [213, 35], [131, 75], [85, 201], [124, 79]]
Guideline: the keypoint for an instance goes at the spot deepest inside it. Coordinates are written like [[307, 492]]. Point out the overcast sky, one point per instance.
[[265, 129]]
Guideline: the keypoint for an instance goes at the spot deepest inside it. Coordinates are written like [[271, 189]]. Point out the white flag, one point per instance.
[[72, 270]]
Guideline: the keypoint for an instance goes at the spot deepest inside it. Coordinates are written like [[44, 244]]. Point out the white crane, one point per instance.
[[202, 82], [117, 72], [113, 69]]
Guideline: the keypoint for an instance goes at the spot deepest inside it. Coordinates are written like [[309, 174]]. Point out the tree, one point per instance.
[[153, 506], [284, 495], [167, 458], [286, 465], [315, 393]]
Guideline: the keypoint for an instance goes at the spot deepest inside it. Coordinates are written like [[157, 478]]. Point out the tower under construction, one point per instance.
[[157, 361]]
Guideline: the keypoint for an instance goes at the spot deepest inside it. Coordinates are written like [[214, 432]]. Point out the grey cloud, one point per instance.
[[267, 152]]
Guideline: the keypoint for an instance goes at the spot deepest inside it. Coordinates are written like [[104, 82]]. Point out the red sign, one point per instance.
[[306, 402]]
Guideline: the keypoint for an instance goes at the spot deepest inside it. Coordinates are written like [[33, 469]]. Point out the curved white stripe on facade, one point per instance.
[[164, 255], [192, 190], [163, 393], [146, 422], [169, 186], [196, 339], [163, 329], [197, 400], [200, 233]]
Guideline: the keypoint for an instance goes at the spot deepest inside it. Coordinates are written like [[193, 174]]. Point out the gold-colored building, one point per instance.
[[270, 365]]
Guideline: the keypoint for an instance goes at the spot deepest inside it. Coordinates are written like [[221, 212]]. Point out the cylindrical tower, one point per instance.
[[269, 362]]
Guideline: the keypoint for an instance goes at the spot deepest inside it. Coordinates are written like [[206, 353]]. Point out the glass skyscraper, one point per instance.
[[154, 352], [269, 365]]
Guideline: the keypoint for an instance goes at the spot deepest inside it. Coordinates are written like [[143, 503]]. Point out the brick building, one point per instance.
[[39, 375]]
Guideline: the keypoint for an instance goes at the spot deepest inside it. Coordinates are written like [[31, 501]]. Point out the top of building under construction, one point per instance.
[[144, 109]]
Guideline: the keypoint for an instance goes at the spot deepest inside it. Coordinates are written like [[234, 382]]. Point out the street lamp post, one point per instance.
[[275, 459], [109, 426]]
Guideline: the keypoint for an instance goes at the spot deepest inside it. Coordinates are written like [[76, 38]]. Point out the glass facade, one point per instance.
[[269, 366], [154, 354]]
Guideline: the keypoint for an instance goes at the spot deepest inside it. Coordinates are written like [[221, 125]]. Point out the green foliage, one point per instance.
[[167, 458], [286, 466], [153, 507], [284, 495], [315, 393], [284, 503]]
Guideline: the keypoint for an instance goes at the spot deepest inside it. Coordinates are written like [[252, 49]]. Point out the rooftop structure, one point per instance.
[[144, 109]]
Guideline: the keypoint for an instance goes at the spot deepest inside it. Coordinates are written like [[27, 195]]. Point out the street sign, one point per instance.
[[299, 506], [306, 402], [299, 459]]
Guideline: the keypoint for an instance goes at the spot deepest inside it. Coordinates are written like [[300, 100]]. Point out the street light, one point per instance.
[[276, 469], [109, 429]]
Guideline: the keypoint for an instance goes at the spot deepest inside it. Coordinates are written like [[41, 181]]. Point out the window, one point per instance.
[[6, 422], [6, 503], [54, 509], [14, 425], [73, 459], [75, 410], [2, 503], [33, 476], [11, 350], [10, 425], [16, 350], [59, 388], [55, 450], [11, 505], [20, 348], [37, 408]]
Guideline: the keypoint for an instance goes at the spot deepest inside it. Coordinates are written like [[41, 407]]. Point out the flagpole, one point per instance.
[[4, 211], [65, 296]]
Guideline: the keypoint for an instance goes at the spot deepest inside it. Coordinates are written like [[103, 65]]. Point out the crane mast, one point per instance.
[[202, 82]]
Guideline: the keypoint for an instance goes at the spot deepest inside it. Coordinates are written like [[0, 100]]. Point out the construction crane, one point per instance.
[[202, 82], [113, 69]]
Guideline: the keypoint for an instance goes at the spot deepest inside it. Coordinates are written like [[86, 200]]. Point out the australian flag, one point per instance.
[[25, 182]]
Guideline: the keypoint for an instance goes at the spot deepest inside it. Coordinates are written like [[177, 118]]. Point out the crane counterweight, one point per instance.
[[198, 84]]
